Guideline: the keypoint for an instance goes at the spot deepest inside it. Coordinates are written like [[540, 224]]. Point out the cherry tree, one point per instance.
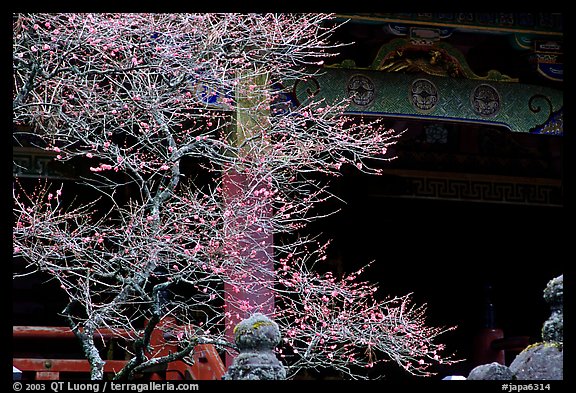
[[193, 116]]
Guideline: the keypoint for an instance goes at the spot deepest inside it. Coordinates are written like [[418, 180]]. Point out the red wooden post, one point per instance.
[[250, 292], [484, 351]]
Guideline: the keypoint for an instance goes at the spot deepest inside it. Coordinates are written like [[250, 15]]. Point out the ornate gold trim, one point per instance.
[[439, 59]]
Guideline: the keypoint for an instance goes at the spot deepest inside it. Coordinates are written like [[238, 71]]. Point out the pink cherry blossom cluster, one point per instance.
[[143, 95]]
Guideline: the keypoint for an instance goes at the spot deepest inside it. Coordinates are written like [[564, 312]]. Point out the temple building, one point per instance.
[[468, 214]]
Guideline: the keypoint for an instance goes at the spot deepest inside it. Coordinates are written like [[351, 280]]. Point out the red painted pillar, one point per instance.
[[254, 271], [484, 350]]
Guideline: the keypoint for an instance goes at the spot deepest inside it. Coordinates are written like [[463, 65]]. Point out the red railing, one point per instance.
[[206, 365]]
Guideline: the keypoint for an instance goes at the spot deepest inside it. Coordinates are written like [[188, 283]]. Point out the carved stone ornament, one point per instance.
[[423, 95], [256, 338], [485, 100], [361, 90]]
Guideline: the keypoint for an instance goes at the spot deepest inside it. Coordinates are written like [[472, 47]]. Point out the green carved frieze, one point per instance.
[[518, 107]]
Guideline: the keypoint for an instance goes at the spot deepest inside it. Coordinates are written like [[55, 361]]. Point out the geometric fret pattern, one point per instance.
[[481, 188]]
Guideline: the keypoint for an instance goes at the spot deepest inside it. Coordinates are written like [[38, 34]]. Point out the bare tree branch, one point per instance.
[[140, 96]]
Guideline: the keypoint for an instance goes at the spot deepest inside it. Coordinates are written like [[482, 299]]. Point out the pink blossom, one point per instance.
[[306, 297]]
